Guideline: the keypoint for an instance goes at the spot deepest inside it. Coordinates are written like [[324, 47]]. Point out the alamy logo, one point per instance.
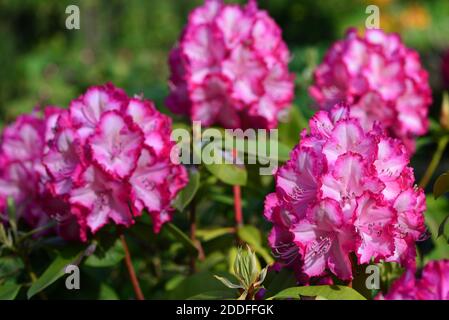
[[372, 282], [373, 20], [72, 282], [73, 19]]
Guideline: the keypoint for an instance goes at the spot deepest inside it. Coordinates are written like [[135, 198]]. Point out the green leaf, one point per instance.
[[182, 237], [435, 214], [54, 271], [327, 292], [214, 295], [209, 234], [277, 281], [252, 236], [9, 290], [106, 257], [196, 284], [441, 227], [441, 185], [228, 173], [107, 293], [260, 148], [228, 283], [187, 194]]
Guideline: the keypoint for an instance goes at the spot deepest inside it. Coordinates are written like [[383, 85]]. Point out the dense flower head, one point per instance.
[[109, 159], [381, 78], [22, 175], [230, 68], [431, 284], [344, 191]]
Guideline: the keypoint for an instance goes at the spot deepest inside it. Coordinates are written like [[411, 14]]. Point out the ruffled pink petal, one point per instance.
[[116, 144]]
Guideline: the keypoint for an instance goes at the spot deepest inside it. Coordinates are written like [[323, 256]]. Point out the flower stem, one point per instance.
[[238, 206], [131, 272], [442, 142]]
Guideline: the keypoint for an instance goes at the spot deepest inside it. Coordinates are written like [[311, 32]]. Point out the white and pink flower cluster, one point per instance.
[[23, 177], [345, 191], [110, 158], [381, 78], [230, 68], [432, 284]]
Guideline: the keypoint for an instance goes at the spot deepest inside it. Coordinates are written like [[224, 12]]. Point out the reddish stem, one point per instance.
[[238, 206], [237, 199], [130, 267]]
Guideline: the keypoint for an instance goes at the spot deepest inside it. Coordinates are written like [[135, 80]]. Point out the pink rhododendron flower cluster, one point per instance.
[[22, 176], [110, 158], [381, 78], [432, 284], [230, 68], [344, 191]]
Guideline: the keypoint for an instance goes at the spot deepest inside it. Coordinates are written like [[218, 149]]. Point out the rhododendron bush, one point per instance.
[[128, 175]]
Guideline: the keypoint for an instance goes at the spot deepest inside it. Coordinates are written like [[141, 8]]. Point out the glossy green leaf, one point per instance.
[[215, 295], [54, 271], [9, 290], [437, 211], [441, 185], [442, 226], [228, 173], [209, 234], [261, 148], [196, 284], [187, 194], [106, 257], [107, 293], [327, 292]]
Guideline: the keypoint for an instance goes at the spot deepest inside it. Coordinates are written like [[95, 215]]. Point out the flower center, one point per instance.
[[318, 248]]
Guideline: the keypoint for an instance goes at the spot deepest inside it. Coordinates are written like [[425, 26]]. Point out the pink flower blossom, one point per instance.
[[109, 159], [381, 78], [230, 67], [22, 176], [345, 191], [432, 284]]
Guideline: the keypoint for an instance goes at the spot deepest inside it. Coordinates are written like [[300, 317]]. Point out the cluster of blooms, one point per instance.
[[381, 78], [230, 68], [109, 158], [344, 190], [23, 177], [433, 284]]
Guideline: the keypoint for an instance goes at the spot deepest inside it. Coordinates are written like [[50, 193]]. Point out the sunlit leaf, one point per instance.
[[327, 292], [252, 236], [106, 257]]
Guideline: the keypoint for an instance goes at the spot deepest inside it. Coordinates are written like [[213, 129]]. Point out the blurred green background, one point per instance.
[[127, 43]]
